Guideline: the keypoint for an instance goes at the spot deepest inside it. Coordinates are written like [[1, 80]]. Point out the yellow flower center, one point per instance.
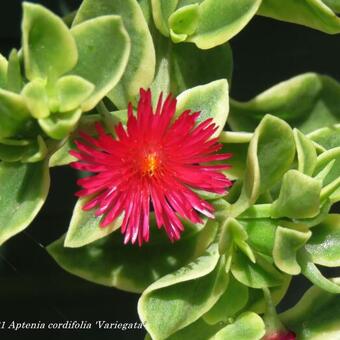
[[150, 164]]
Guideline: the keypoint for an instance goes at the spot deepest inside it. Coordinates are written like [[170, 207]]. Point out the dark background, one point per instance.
[[33, 287]]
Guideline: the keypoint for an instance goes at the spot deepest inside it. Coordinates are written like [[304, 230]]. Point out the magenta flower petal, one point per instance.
[[154, 162]]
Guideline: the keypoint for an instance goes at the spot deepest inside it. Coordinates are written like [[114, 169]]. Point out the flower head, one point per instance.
[[155, 161]]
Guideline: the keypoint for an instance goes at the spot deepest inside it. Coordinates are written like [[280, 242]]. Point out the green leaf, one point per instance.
[[36, 99], [184, 22], [265, 168], [62, 155], [261, 234], [109, 262], [309, 102], [13, 114], [324, 245], [30, 152], [3, 71], [24, 188], [72, 91], [248, 326], [49, 48], [328, 137], [233, 234], [299, 196], [316, 316], [85, 227], [211, 100], [14, 78], [103, 47], [161, 10], [192, 291], [306, 153], [333, 174], [287, 243], [183, 66], [199, 330], [190, 66], [333, 4], [140, 68], [311, 272], [311, 13], [221, 20], [59, 125], [256, 275], [229, 304]]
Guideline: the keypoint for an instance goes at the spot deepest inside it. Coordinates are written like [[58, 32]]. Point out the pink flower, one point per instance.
[[156, 160]]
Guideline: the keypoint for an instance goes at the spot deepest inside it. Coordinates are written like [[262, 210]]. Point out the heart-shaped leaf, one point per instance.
[[192, 290]]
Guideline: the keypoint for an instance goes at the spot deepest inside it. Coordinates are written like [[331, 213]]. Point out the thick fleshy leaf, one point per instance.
[[220, 20], [111, 263], [72, 91], [14, 77], [328, 137], [331, 155], [229, 304], [311, 13], [184, 22], [316, 316], [248, 326], [233, 234], [324, 245], [287, 243], [85, 227], [59, 125], [311, 272], [183, 66], [3, 71], [13, 114], [30, 151], [140, 69], [193, 290], [264, 168], [161, 10], [256, 275], [299, 196], [103, 46], [24, 188], [261, 233], [211, 100], [306, 153], [48, 46], [308, 102], [36, 99]]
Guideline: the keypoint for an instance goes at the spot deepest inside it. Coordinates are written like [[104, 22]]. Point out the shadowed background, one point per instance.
[[33, 287]]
